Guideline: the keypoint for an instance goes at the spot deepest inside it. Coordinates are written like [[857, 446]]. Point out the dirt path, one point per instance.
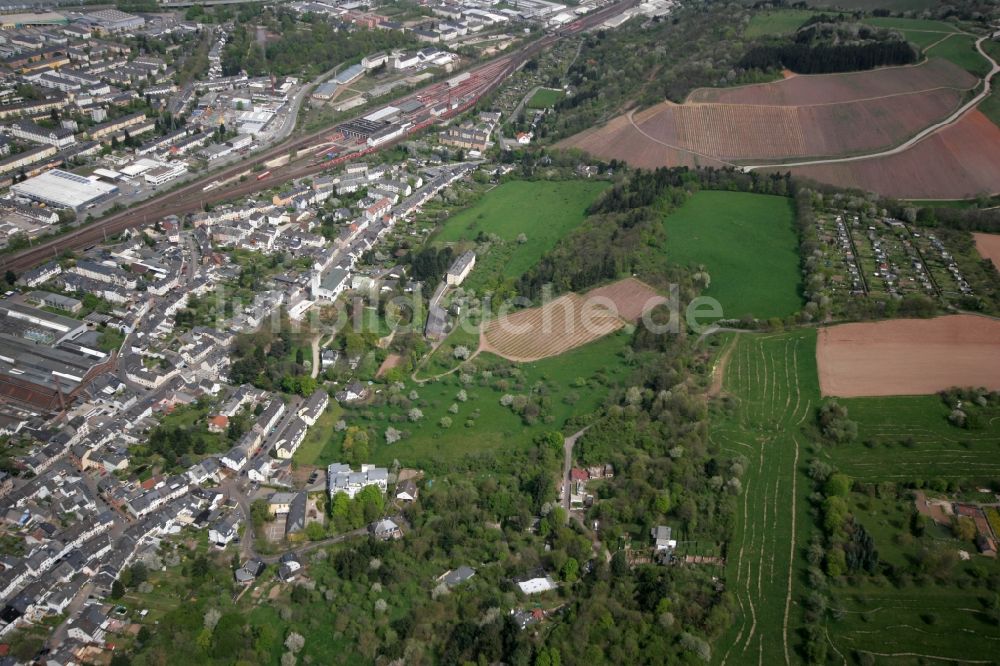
[[719, 371], [315, 350]]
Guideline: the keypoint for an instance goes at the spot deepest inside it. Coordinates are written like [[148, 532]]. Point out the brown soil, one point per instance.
[[960, 161], [989, 247], [909, 356]]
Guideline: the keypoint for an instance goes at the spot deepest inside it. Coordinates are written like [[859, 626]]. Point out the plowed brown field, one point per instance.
[[834, 88], [909, 356], [569, 321], [801, 117], [740, 131], [958, 162], [618, 140], [629, 298], [989, 247]]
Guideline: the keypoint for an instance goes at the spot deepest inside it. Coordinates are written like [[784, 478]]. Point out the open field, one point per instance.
[[773, 380], [847, 87], [961, 161], [544, 211], [575, 383], [961, 50], [909, 356], [629, 298], [759, 131], [777, 22], [544, 98], [988, 246], [893, 5], [909, 438], [797, 117], [556, 327], [748, 246], [620, 139], [570, 321]]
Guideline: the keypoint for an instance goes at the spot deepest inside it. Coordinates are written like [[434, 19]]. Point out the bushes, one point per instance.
[[835, 425]]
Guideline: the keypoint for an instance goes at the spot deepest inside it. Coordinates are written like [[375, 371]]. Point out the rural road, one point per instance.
[[568, 444], [912, 141]]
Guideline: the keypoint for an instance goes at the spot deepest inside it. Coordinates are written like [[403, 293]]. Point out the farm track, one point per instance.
[[763, 377]]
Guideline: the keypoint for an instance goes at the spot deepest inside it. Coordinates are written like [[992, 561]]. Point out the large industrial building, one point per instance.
[[65, 190], [46, 359]]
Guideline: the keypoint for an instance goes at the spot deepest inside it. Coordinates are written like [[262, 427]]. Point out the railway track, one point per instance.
[[192, 196]]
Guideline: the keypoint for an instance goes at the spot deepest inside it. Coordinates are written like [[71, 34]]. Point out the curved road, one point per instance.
[[914, 140]]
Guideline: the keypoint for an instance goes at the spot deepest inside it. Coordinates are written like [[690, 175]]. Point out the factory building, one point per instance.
[[65, 190]]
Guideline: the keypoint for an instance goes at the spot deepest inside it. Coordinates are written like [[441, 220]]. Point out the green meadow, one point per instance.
[[544, 211], [747, 244]]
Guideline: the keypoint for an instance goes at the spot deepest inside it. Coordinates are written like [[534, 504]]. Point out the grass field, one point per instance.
[[747, 244], [903, 439], [545, 98], [777, 22], [573, 384], [961, 50], [544, 211], [942, 615], [942, 619], [774, 381], [892, 5]]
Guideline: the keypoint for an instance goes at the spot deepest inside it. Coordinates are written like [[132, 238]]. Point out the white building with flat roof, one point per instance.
[[64, 190]]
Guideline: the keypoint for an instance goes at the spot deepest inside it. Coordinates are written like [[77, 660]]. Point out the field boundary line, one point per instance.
[[859, 100], [791, 553], [672, 146], [922, 63]]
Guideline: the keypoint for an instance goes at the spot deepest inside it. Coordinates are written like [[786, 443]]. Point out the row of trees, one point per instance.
[[824, 59]]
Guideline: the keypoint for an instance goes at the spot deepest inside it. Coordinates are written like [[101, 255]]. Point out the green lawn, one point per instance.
[[318, 435], [544, 211], [747, 244], [775, 389], [545, 98], [777, 22], [571, 385], [961, 50]]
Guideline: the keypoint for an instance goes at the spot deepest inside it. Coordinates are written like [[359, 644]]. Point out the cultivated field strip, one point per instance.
[[763, 376], [833, 88]]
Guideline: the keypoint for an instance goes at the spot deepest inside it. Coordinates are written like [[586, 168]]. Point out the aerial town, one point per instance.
[[334, 332]]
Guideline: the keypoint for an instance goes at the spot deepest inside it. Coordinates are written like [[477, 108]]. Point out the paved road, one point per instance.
[[920, 136]]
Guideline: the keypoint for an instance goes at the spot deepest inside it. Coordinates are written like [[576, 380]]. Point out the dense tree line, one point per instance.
[[311, 47], [824, 59]]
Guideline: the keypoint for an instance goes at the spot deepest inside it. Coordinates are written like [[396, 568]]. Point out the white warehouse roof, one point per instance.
[[382, 114], [63, 189]]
